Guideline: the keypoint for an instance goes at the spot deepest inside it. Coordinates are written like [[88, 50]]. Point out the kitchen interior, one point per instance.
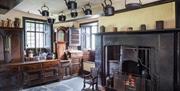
[[89, 45]]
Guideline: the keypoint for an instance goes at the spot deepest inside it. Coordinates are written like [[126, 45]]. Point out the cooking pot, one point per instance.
[[71, 4], [108, 8], [44, 10], [87, 9]]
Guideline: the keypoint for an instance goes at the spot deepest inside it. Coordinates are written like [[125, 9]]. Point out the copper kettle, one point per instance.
[[108, 8], [44, 10], [87, 9], [74, 13], [133, 5], [71, 4], [62, 17]]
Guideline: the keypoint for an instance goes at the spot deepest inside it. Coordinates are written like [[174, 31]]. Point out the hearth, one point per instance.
[[129, 68]]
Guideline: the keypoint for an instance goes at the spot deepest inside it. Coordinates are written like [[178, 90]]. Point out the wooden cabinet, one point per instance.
[[11, 45], [32, 74], [76, 58], [36, 72], [50, 71], [74, 37]]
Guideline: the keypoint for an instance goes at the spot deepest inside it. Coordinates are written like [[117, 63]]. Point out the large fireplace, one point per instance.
[[139, 61], [129, 68]]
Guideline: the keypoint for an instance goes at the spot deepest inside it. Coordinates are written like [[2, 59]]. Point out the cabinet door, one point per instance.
[[74, 37]]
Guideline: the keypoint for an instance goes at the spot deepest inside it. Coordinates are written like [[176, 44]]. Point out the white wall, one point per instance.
[[19, 14], [135, 18]]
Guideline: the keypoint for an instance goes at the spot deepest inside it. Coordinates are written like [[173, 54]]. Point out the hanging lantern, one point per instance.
[[133, 4]]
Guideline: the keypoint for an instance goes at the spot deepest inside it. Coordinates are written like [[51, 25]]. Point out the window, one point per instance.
[[37, 34], [87, 36]]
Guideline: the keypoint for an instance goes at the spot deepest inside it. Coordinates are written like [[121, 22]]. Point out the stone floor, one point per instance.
[[73, 84]]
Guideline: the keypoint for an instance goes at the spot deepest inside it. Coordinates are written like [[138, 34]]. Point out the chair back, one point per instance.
[[94, 72]]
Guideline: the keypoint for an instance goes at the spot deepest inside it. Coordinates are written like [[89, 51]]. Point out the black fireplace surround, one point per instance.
[[166, 44]]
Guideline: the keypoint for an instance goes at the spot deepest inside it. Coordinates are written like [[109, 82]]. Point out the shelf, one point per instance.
[[139, 32], [9, 30]]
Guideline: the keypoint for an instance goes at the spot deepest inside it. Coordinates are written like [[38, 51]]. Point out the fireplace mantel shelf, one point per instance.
[[139, 32]]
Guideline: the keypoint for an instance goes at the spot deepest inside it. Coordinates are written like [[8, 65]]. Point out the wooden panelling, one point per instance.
[[1, 50], [36, 72], [15, 48]]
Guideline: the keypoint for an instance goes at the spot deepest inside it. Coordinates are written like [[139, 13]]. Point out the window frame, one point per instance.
[[88, 24], [36, 21]]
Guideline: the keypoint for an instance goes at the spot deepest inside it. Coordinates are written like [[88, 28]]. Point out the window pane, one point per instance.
[[37, 27], [88, 30], [88, 41], [93, 42], [94, 29], [41, 27], [28, 26], [87, 37], [39, 40], [35, 35], [32, 27]]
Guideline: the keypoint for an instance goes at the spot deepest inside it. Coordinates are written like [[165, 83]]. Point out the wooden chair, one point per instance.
[[91, 79]]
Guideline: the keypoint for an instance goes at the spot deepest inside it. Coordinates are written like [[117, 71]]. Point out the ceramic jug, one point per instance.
[[17, 23]]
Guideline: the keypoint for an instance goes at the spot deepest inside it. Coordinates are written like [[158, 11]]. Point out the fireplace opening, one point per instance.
[[129, 68]]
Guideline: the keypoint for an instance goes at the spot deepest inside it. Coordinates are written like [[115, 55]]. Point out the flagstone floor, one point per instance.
[[73, 84]]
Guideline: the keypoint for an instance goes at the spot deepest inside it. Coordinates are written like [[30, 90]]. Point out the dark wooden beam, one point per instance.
[[6, 5]]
